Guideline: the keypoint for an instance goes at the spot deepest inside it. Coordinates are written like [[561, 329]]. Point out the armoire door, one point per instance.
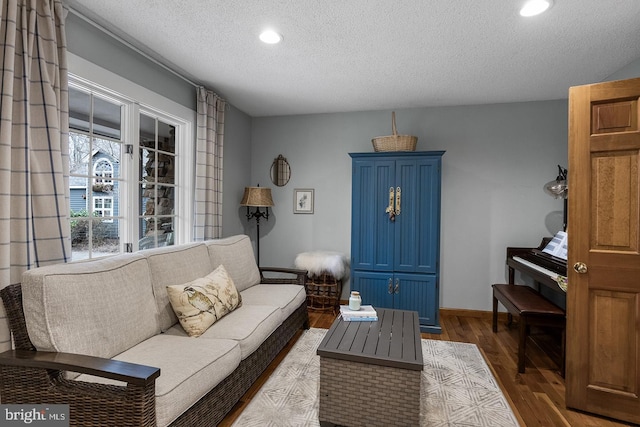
[[603, 297], [376, 288], [372, 230], [417, 225]]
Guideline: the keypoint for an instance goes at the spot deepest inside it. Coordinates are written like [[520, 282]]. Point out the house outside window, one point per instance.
[[125, 161]]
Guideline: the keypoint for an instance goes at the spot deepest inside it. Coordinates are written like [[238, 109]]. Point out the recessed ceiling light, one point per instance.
[[270, 37], [535, 7]]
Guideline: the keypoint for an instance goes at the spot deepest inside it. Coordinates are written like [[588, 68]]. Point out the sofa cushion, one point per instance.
[[248, 325], [174, 265], [236, 254], [189, 369], [202, 302], [100, 307], [287, 297]]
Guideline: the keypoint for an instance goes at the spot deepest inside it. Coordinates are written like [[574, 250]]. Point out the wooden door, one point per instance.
[[603, 297]]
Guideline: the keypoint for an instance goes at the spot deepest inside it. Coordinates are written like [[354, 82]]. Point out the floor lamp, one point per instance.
[[257, 197]]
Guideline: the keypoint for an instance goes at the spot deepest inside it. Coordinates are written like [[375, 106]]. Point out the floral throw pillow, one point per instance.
[[200, 303]]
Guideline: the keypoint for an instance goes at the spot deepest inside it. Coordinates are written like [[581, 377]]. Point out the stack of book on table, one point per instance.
[[366, 314]]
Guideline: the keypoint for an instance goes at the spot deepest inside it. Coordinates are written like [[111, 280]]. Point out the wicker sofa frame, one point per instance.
[[31, 376]]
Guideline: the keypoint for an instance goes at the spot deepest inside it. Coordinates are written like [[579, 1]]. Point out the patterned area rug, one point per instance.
[[458, 388]]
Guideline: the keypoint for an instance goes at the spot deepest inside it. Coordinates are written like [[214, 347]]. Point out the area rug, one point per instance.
[[458, 388]]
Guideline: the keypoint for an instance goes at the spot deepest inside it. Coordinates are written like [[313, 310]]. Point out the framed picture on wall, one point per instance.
[[303, 200]]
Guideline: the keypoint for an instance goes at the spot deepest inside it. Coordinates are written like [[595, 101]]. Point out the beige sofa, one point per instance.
[[117, 309]]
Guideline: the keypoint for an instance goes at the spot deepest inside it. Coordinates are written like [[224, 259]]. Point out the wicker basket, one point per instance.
[[395, 142]]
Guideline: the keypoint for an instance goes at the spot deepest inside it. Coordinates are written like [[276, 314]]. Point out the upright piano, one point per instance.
[[543, 268]]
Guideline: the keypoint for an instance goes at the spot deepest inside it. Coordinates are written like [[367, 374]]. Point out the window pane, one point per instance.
[[106, 118], [105, 238], [147, 131], [110, 151], [78, 153], [79, 109], [166, 137]]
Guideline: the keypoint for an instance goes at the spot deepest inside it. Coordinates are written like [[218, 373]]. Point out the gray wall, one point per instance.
[[498, 157], [237, 167]]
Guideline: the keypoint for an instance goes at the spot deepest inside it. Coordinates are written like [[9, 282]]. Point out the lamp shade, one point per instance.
[[257, 196], [559, 187]]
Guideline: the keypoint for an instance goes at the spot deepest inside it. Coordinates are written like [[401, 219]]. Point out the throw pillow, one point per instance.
[[200, 303]]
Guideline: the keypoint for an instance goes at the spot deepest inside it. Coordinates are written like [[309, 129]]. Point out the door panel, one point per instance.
[[374, 288], [614, 210], [417, 292], [603, 302], [372, 248], [416, 248]]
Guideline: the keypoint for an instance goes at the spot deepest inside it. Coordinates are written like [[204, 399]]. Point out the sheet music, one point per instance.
[[558, 245]]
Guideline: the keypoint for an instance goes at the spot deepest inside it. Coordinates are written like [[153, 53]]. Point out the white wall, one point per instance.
[[498, 157]]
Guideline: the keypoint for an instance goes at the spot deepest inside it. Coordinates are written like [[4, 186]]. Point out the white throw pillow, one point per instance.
[[200, 303]]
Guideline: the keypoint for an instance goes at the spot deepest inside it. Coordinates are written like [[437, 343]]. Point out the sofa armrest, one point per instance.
[[28, 376], [107, 368], [293, 276]]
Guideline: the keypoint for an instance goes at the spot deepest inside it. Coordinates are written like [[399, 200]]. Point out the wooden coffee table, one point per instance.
[[370, 371]]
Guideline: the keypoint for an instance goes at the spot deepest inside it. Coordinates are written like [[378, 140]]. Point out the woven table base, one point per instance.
[[360, 394]]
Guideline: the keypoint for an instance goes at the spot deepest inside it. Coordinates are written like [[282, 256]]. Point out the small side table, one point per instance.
[[325, 271]]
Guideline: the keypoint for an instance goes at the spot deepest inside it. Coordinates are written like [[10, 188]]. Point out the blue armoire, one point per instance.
[[395, 231]]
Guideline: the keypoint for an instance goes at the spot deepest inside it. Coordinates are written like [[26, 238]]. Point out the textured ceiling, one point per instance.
[[356, 55]]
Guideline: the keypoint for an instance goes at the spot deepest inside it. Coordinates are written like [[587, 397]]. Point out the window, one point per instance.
[[157, 157], [95, 153], [103, 171], [103, 207], [125, 165]]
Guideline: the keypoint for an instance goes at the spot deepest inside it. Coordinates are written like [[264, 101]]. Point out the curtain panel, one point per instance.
[[34, 158], [208, 176]]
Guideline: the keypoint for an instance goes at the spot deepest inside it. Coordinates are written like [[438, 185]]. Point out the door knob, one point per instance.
[[580, 267]]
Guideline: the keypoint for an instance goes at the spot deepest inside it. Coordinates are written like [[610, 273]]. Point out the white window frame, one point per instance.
[[86, 74], [103, 176], [106, 212]]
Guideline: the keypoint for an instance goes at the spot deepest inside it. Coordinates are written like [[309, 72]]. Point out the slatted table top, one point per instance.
[[394, 340]]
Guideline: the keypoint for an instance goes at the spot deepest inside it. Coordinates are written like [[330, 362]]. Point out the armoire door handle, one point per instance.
[[390, 210]]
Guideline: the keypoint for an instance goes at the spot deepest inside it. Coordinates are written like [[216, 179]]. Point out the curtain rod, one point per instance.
[[131, 46]]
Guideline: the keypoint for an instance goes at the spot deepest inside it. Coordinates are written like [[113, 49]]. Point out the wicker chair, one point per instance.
[[30, 376]]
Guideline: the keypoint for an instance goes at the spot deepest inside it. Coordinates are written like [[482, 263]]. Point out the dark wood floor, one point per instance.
[[536, 397]]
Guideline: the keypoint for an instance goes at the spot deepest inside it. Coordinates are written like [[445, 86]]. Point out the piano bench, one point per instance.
[[533, 310]]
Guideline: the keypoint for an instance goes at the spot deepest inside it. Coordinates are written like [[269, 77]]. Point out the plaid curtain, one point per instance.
[[208, 184], [34, 163]]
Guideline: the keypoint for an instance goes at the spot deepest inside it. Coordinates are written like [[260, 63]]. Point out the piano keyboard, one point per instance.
[[553, 275]]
